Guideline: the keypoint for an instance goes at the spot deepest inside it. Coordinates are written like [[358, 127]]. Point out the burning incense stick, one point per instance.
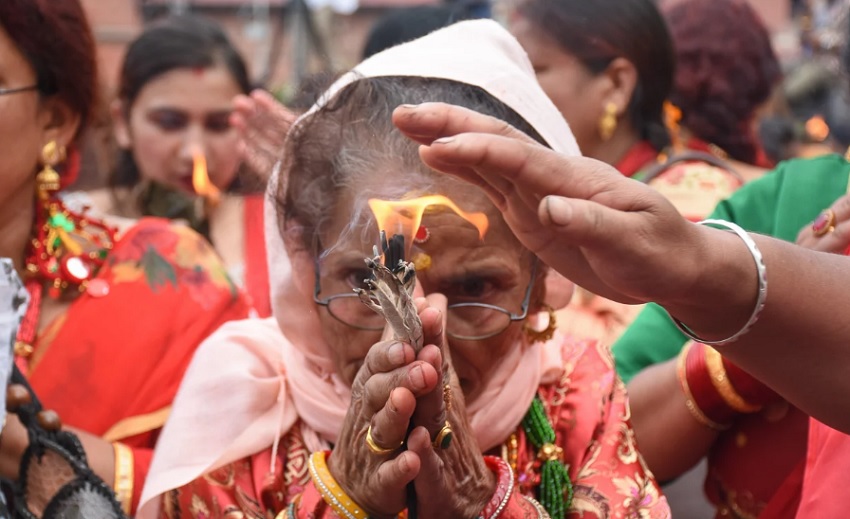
[[389, 291]]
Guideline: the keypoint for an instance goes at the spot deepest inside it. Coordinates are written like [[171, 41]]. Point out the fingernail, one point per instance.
[[417, 378], [409, 107], [404, 464], [396, 353], [444, 140], [559, 209]]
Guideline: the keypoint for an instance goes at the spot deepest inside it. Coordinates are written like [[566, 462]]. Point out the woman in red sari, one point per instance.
[[311, 407], [114, 316], [609, 67], [175, 101]]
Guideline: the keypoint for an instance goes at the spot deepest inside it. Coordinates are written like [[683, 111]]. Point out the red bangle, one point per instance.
[[704, 397], [750, 388], [504, 487]]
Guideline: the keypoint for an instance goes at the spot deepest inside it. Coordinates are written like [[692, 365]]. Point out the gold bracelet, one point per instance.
[[331, 492], [717, 373], [123, 476], [694, 409]]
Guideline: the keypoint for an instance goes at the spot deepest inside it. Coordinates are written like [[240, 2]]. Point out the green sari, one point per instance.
[[779, 204]]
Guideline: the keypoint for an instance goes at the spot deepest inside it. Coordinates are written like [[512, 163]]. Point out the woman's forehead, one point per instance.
[[448, 234]]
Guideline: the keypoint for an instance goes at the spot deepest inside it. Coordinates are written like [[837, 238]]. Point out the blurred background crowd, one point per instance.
[[285, 43]]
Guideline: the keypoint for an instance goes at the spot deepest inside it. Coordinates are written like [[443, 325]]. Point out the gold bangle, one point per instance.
[[330, 490], [717, 373], [123, 486], [693, 408]]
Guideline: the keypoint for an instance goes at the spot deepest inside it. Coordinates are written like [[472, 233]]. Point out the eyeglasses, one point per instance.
[[473, 321], [5, 91]]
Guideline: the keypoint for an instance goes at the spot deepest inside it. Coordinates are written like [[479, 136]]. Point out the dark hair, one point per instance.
[[176, 42], [409, 23], [778, 135], [598, 31], [56, 39], [726, 69], [337, 150]]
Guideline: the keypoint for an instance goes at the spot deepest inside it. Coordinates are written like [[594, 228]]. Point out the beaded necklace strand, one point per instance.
[[556, 489]]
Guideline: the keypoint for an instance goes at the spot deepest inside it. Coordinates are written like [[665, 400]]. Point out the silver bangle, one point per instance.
[[762, 293]]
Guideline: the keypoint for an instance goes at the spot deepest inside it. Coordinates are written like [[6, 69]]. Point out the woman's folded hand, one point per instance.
[[383, 400], [453, 481]]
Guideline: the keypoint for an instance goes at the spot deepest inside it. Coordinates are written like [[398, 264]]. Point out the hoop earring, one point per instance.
[[545, 334], [608, 122], [47, 181]]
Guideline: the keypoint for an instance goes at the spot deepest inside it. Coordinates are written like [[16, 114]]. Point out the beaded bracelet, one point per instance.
[[690, 402], [330, 490], [761, 269], [123, 485], [504, 487], [541, 512]]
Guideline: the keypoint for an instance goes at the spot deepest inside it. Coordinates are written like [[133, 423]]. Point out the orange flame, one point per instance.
[[405, 216], [201, 179]]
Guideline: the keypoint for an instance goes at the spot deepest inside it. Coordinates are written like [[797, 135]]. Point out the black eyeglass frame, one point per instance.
[[7, 91], [513, 317]]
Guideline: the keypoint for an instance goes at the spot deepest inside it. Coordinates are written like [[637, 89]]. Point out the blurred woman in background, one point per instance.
[[178, 149]]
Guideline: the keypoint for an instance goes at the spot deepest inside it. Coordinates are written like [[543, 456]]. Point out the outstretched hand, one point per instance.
[[263, 124], [611, 235]]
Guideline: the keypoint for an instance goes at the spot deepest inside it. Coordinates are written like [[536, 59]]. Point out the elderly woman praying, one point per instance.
[[321, 412]]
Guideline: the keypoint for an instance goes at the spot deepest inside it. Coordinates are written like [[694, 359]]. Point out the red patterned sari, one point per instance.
[[111, 364], [587, 408]]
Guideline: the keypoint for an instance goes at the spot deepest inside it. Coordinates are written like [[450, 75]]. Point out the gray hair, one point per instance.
[[350, 150]]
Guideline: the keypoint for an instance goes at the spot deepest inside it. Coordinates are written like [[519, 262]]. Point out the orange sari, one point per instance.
[[112, 363], [587, 408]]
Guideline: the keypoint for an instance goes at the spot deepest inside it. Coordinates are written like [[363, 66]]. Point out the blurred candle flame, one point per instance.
[[405, 216], [817, 129], [201, 179]]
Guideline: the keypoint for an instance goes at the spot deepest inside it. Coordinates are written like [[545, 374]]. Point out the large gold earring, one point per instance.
[[608, 122], [545, 334], [47, 180]]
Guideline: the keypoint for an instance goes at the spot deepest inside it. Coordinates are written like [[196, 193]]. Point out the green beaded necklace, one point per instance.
[[556, 489]]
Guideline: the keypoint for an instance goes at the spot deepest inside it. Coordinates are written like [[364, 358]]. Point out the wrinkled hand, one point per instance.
[[611, 235], [263, 124], [452, 482], [384, 395], [836, 241]]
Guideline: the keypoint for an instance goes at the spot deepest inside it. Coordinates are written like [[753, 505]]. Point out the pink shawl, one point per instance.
[[251, 380]]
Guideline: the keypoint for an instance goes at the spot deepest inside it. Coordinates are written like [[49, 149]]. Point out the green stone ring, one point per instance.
[[444, 437]]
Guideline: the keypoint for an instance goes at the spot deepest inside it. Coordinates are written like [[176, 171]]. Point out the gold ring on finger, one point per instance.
[[374, 447], [824, 223], [444, 438]]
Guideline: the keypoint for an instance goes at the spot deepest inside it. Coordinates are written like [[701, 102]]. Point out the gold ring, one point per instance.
[[444, 437], [824, 223], [447, 397], [374, 447]]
